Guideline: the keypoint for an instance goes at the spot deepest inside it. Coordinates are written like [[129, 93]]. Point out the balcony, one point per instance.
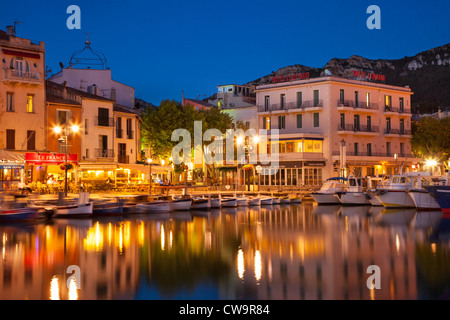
[[119, 133], [123, 159], [361, 129], [130, 135], [399, 110], [391, 132], [373, 154], [18, 76], [104, 122], [104, 153], [360, 106]]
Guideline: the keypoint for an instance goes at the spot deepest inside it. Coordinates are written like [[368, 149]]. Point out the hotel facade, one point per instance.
[[331, 126]]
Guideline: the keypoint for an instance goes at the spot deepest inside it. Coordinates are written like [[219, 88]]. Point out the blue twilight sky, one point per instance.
[[163, 47]]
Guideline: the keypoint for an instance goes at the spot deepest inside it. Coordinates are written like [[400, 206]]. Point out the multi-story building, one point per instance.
[[234, 96], [22, 104], [329, 124]]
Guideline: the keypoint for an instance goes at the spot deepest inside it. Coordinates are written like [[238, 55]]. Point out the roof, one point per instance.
[[3, 35], [121, 108], [72, 91], [200, 102]]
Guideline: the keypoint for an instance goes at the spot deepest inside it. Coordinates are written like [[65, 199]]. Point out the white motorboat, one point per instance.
[[228, 202], [285, 200], [156, 206], [215, 203], [266, 201], [242, 201], [200, 203], [327, 193], [423, 200], [394, 193], [354, 193], [254, 201]]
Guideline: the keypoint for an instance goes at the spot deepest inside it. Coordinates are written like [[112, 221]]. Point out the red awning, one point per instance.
[[21, 54], [40, 159]]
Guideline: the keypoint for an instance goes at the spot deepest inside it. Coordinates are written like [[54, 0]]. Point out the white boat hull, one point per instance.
[[180, 205], [353, 198], [215, 203], [228, 202], [276, 201], [201, 204], [242, 202], [395, 199], [254, 202], [325, 198], [266, 201], [296, 200], [423, 200], [74, 210]]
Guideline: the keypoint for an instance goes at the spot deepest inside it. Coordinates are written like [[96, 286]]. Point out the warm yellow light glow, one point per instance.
[[256, 139], [240, 264], [94, 239], [258, 265], [75, 128], [73, 295], [239, 139], [430, 162], [54, 288], [57, 130], [162, 238]]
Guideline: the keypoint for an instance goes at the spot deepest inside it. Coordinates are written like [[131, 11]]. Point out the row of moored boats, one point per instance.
[[419, 190]]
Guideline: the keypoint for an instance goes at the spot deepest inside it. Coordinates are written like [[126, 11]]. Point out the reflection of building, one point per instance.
[[22, 102], [320, 119]]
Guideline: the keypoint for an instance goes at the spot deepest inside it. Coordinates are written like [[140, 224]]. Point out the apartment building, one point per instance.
[[330, 126]]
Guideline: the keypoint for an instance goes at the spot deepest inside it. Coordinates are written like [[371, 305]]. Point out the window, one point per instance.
[[62, 117], [266, 123], [119, 127], [289, 146], [388, 125], [341, 96], [316, 98], [401, 104], [282, 146], [367, 99], [342, 121], [266, 103], [20, 66], [30, 103], [86, 126], [356, 99], [282, 101], [10, 139], [356, 148], [388, 148], [31, 140], [103, 117], [402, 126], [299, 99], [87, 153], [316, 119], [402, 149], [388, 102], [313, 146], [130, 127], [299, 146], [10, 102], [369, 123], [369, 149], [299, 121], [281, 122], [356, 122]]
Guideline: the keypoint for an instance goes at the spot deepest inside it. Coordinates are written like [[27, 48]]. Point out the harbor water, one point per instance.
[[294, 251]]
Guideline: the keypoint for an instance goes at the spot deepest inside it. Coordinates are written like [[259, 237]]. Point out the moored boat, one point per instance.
[[182, 204], [242, 201], [108, 207], [200, 203], [354, 194], [254, 201], [327, 193], [442, 196], [266, 201], [285, 200], [12, 211], [156, 206], [228, 202]]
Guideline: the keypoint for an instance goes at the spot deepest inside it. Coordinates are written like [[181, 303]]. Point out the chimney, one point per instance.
[[10, 30]]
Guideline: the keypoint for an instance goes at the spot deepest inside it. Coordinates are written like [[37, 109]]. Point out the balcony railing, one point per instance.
[[391, 131], [359, 105], [104, 122], [291, 106], [14, 75], [130, 134], [104, 153], [360, 128], [123, 159], [373, 154]]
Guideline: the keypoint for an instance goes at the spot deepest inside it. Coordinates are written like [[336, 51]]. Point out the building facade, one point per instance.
[[22, 105], [332, 126]]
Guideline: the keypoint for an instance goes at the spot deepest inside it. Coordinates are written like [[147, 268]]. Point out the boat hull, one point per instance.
[[254, 202], [442, 196], [423, 200], [215, 203], [154, 207], [181, 205], [242, 202], [228, 202], [17, 214], [76, 210], [395, 199], [353, 198], [266, 201], [108, 208], [325, 198], [201, 204]]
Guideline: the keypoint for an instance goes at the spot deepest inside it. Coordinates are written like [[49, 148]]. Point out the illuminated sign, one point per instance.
[[49, 158], [368, 76], [291, 77]]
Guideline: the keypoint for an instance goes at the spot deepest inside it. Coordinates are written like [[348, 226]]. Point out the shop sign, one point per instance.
[[291, 77], [12, 165], [49, 158], [314, 163]]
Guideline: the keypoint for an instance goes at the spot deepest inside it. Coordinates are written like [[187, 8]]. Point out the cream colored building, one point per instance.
[[22, 101], [321, 119]]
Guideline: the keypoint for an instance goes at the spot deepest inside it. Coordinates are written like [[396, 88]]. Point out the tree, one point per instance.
[[431, 138]]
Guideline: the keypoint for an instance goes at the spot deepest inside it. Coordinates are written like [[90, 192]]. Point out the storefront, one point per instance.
[[11, 174], [293, 173], [46, 167]]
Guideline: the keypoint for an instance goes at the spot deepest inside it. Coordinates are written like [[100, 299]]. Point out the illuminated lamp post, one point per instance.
[[66, 130], [149, 161]]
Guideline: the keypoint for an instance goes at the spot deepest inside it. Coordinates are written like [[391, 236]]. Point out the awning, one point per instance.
[[11, 156], [40, 159], [21, 54], [97, 166]]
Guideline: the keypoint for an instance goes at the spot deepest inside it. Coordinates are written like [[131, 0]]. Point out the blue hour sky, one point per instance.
[[162, 48]]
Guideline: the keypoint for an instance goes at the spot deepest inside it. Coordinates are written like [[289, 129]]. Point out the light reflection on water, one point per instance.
[[301, 251]]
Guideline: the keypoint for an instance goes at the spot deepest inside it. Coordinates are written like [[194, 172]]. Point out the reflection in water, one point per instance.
[[301, 251]]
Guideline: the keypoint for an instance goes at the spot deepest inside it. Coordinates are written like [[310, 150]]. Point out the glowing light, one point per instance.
[[240, 264], [54, 288], [430, 162], [73, 295], [57, 130], [256, 139], [75, 128], [397, 243], [258, 265], [162, 238], [239, 140]]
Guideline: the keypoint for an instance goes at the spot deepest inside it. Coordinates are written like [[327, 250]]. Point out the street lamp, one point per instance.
[[149, 161], [64, 138], [396, 167]]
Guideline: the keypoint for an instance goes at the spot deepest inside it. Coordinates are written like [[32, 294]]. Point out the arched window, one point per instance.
[[21, 67]]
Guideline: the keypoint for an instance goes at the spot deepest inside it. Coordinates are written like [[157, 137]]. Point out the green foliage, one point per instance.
[[431, 138], [159, 123]]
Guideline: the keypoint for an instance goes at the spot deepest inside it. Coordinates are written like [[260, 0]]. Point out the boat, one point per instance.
[[242, 201], [266, 201], [354, 194], [285, 200], [424, 200], [394, 192], [199, 203], [155, 206], [108, 207], [276, 200], [327, 193], [254, 201], [181, 204], [10, 210], [228, 202], [442, 196], [215, 202], [296, 200], [63, 208]]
